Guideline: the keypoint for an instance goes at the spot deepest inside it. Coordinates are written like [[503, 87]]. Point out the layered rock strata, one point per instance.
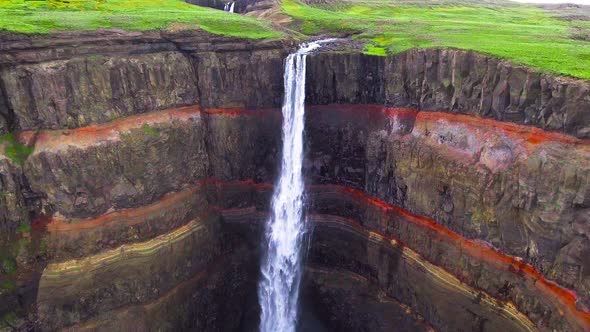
[[452, 81], [126, 230], [520, 189], [446, 220], [490, 276], [71, 79]]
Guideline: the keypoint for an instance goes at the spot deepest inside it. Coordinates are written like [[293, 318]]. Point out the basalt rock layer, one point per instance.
[[72, 80], [522, 190], [453, 81], [143, 200]]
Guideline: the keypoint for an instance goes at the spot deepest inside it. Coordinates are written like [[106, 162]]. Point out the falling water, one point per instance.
[[229, 7], [278, 290]]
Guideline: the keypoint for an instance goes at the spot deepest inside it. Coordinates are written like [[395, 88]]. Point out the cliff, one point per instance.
[[452, 184]]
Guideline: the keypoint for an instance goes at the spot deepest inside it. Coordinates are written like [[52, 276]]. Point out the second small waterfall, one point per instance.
[[278, 290]]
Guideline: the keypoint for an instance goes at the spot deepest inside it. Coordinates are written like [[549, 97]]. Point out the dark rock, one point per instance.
[[452, 81]]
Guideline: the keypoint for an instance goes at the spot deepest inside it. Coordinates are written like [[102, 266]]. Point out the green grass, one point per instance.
[[24, 227], [14, 150], [521, 33], [45, 16], [150, 130]]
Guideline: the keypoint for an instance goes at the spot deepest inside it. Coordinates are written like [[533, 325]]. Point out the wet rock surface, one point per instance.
[[350, 302]]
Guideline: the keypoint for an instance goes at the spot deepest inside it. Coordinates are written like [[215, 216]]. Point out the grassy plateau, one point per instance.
[[521, 33], [45, 16]]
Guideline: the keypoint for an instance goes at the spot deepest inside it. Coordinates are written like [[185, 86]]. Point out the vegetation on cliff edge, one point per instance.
[[45, 16], [521, 33], [13, 149]]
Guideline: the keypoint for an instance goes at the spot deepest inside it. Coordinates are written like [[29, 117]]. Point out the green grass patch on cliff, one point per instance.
[[13, 149], [45, 16], [150, 130], [521, 33]]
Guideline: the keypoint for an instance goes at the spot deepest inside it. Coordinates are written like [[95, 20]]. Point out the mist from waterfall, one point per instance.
[[281, 270]]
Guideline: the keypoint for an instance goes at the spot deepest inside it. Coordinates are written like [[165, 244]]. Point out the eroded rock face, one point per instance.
[[417, 213], [515, 191], [364, 137], [75, 291], [14, 209], [53, 83], [134, 161], [452, 81]]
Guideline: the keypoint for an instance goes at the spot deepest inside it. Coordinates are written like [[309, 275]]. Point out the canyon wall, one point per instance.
[[453, 81], [68, 80], [153, 154]]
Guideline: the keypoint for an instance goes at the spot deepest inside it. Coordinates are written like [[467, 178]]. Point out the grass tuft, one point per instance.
[[150, 130], [14, 150]]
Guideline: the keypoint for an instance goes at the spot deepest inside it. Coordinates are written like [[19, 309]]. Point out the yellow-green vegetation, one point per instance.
[[24, 227], [521, 33], [45, 16], [150, 130], [13, 149]]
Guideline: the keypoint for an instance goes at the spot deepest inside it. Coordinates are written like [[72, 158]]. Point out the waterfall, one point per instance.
[[278, 289], [229, 7]]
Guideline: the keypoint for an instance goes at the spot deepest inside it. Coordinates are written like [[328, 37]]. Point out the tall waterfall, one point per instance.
[[278, 290]]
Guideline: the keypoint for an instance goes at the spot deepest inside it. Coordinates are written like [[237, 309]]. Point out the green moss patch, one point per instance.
[[14, 150], [150, 130], [8, 319]]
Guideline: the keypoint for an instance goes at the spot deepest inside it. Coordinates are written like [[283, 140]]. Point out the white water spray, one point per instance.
[[278, 290], [229, 7]]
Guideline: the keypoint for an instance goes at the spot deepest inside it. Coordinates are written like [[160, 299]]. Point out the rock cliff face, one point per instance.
[[70, 81], [142, 201], [453, 81], [522, 190]]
